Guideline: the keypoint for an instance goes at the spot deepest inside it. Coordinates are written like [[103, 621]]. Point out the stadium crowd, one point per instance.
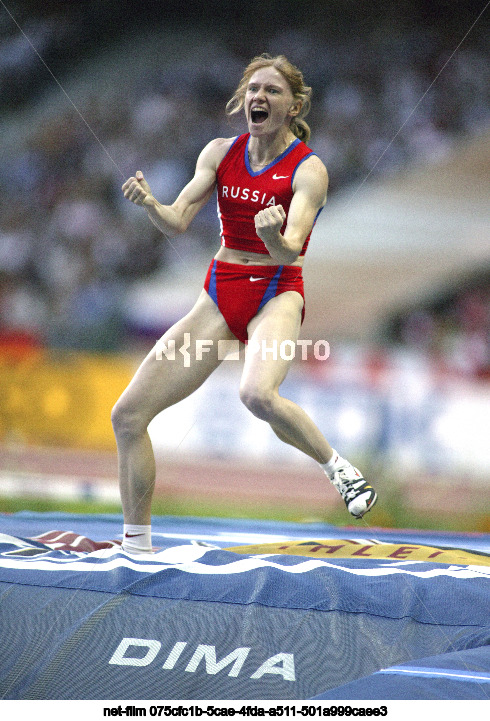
[[70, 246]]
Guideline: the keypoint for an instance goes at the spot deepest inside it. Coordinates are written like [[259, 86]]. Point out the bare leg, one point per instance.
[[159, 384], [285, 439], [279, 320]]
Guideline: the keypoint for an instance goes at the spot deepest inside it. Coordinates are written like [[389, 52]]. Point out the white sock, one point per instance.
[[137, 539], [333, 464]]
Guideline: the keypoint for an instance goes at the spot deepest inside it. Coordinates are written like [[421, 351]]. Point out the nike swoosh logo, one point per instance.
[[133, 535], [252, 279], [279, 177]]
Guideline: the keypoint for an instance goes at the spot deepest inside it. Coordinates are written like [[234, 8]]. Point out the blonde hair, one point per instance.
[[294, 77]]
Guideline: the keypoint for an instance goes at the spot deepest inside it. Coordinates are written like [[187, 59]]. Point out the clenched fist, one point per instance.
[[137, 190], [269, 221]]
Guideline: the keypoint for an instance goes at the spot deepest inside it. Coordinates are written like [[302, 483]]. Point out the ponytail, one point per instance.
[[301, 129]]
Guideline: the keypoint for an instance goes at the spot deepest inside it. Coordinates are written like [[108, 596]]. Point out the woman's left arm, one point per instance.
[[309, 196]]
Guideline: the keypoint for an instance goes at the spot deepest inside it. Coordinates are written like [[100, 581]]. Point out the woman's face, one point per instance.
[[269, 103]]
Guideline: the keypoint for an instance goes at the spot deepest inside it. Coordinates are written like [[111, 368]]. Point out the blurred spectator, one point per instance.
[[454, 331]]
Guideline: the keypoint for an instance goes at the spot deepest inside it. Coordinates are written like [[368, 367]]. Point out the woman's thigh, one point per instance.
[[271, 334], [179, 362]]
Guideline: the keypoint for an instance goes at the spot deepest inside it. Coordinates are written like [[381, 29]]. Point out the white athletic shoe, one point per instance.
[[358, 495]]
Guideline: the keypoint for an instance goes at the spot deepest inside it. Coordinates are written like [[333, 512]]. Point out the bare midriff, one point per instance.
[[241, 257]]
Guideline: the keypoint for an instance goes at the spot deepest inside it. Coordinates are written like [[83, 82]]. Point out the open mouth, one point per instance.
[[258, 116]]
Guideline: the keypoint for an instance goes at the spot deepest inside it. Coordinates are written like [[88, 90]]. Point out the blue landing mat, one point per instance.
[[230, 609]]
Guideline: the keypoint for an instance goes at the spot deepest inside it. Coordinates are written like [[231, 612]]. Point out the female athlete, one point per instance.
[[271, 188]]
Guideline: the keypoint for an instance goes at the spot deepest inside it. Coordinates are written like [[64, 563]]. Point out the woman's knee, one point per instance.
[[259, 401], [127, 421]]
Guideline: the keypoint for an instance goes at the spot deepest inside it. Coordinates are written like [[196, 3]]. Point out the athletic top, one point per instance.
[[243, 192]]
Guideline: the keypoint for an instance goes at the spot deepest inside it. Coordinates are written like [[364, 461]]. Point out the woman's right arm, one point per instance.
[[175, 219]]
